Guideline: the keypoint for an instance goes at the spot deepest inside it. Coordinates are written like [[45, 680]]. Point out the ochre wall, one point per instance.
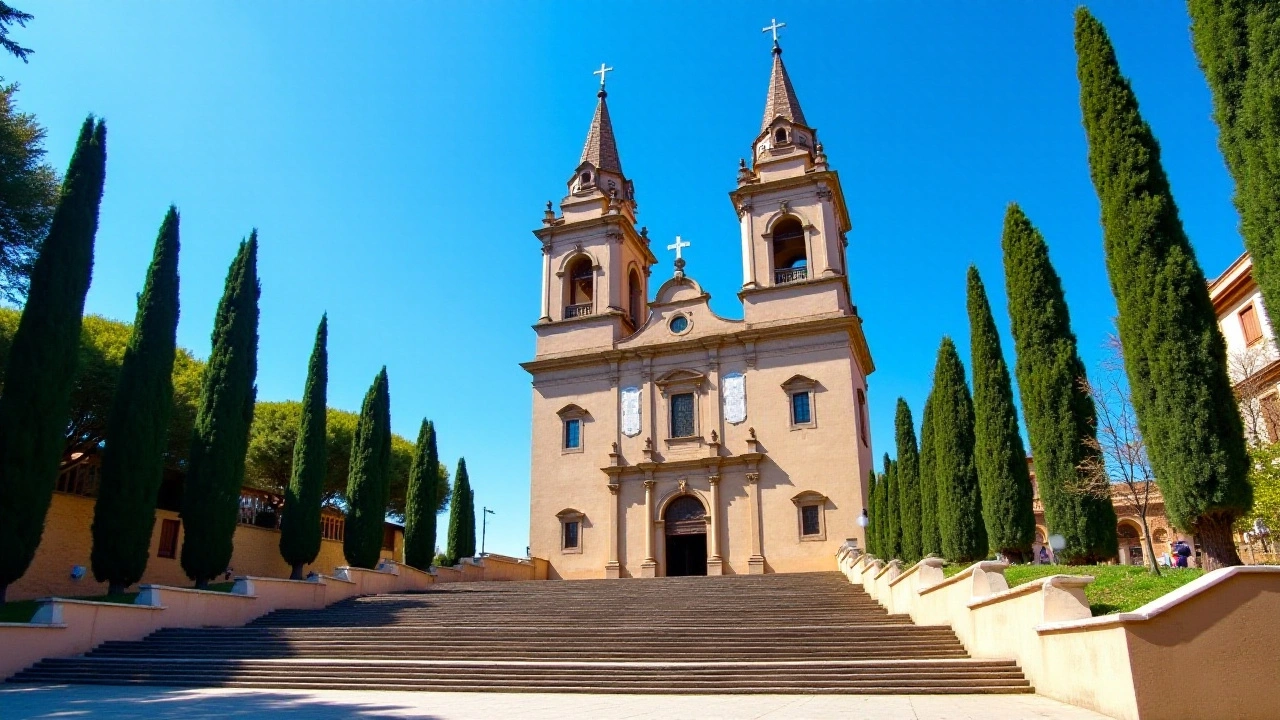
[[68, 541]]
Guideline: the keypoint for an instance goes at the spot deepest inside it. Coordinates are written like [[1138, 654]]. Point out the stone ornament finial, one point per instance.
[[752, 432], [715, 436]]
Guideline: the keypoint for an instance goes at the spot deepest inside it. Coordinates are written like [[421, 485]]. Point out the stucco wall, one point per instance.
[[833, 458], [68, 541], [1204, 650]]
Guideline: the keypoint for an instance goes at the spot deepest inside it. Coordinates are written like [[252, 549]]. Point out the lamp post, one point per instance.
[[484, 527]]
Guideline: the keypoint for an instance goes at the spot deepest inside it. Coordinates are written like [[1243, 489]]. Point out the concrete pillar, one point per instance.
[[715, 564], [612, 570], [755, 564], [648, 568]]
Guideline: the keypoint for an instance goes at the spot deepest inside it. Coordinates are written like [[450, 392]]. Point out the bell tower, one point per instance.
[[792, 214], [595, 265]]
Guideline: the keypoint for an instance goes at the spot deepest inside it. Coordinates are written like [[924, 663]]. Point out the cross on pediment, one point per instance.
[[678, 245]]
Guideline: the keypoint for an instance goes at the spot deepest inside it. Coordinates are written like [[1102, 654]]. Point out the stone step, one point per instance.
[[799, 633]]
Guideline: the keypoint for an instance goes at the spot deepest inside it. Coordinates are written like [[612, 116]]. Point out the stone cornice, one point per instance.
[[545, 234], [645, 470], [851, 324], [830, 177]]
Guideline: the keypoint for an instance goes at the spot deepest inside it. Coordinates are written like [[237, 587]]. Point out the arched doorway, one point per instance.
[[1130, 541], [686, 524]]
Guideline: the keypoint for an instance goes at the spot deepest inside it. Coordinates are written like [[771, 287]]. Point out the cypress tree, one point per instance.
[[462, 520], [421, 501], [137, 430], [1238, 44], [893, 541], [998, 451], [873, 515], [964, 535], [369, 481], [1175, 357], [883, 536], [215, 469], [42, 358], [300, 524], [930, 538], [1059, 412], [909, 511]]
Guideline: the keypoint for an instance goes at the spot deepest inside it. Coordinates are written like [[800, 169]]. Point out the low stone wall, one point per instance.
[[1207, 649], [64, 627]]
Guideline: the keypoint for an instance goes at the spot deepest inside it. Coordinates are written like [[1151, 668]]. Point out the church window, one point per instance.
[[679, 324], [1250, 325], [635, 298], [572, 434], [570, 530], [168, 538], [862, 418], [790, 261], [586, 178], [800, 401], [809, 524], [682, 420], [800, 411], [780, 135], [811, 515]]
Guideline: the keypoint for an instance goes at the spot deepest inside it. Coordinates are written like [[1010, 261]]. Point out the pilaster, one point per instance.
[[715, 563], [648, 568], [755, 564], [613, 570]]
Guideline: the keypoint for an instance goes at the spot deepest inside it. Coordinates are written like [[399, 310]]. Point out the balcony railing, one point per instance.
[[789, 275], [573, 311]]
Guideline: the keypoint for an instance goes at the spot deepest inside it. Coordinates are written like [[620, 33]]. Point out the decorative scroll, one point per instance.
[[734, 389], [630, 399]]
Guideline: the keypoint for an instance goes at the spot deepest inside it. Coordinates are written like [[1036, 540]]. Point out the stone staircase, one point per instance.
[[784, 633]]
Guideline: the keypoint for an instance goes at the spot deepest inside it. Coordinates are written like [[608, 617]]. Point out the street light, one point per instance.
[[484, 526]]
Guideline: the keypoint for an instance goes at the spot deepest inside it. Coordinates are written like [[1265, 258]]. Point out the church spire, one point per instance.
[[601, 150], [781, 101]]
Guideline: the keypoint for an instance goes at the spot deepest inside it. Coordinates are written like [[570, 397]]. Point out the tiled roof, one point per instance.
[[601, 149], [782, 100]]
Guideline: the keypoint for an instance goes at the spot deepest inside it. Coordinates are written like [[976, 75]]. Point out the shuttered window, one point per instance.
[[1249, 323], [168, 538]]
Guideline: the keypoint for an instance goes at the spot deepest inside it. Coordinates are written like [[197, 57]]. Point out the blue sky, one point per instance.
[[396, 156]]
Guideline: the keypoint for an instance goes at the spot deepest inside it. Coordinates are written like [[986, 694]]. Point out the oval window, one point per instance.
[[679, 324]]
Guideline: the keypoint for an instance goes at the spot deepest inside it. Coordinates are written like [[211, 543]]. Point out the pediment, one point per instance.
[[570, 514], [809, 497], [571, 411], [681, 376], [799, 382]]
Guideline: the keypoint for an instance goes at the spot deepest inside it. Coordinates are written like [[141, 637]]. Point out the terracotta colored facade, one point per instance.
[[669, 440]]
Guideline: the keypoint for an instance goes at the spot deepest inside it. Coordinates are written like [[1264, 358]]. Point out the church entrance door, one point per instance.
[[686, 529]]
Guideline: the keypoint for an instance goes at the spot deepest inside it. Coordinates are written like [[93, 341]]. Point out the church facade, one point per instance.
[[668, 440]]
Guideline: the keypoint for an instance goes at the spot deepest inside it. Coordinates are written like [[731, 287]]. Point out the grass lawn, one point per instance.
[[22, 610], [1115, 588]]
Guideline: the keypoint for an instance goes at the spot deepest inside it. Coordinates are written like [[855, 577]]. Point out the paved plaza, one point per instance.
[[84, 702]]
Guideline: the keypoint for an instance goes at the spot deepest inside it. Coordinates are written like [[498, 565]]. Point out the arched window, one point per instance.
[[635, 298], [581, 288], [780, 136], [790, 263]]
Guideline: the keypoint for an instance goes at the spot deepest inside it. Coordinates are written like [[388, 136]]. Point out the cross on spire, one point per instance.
[[601, 72], [774, 27]]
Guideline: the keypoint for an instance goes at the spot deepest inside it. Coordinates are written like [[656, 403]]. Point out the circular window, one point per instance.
[[679, 324]]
